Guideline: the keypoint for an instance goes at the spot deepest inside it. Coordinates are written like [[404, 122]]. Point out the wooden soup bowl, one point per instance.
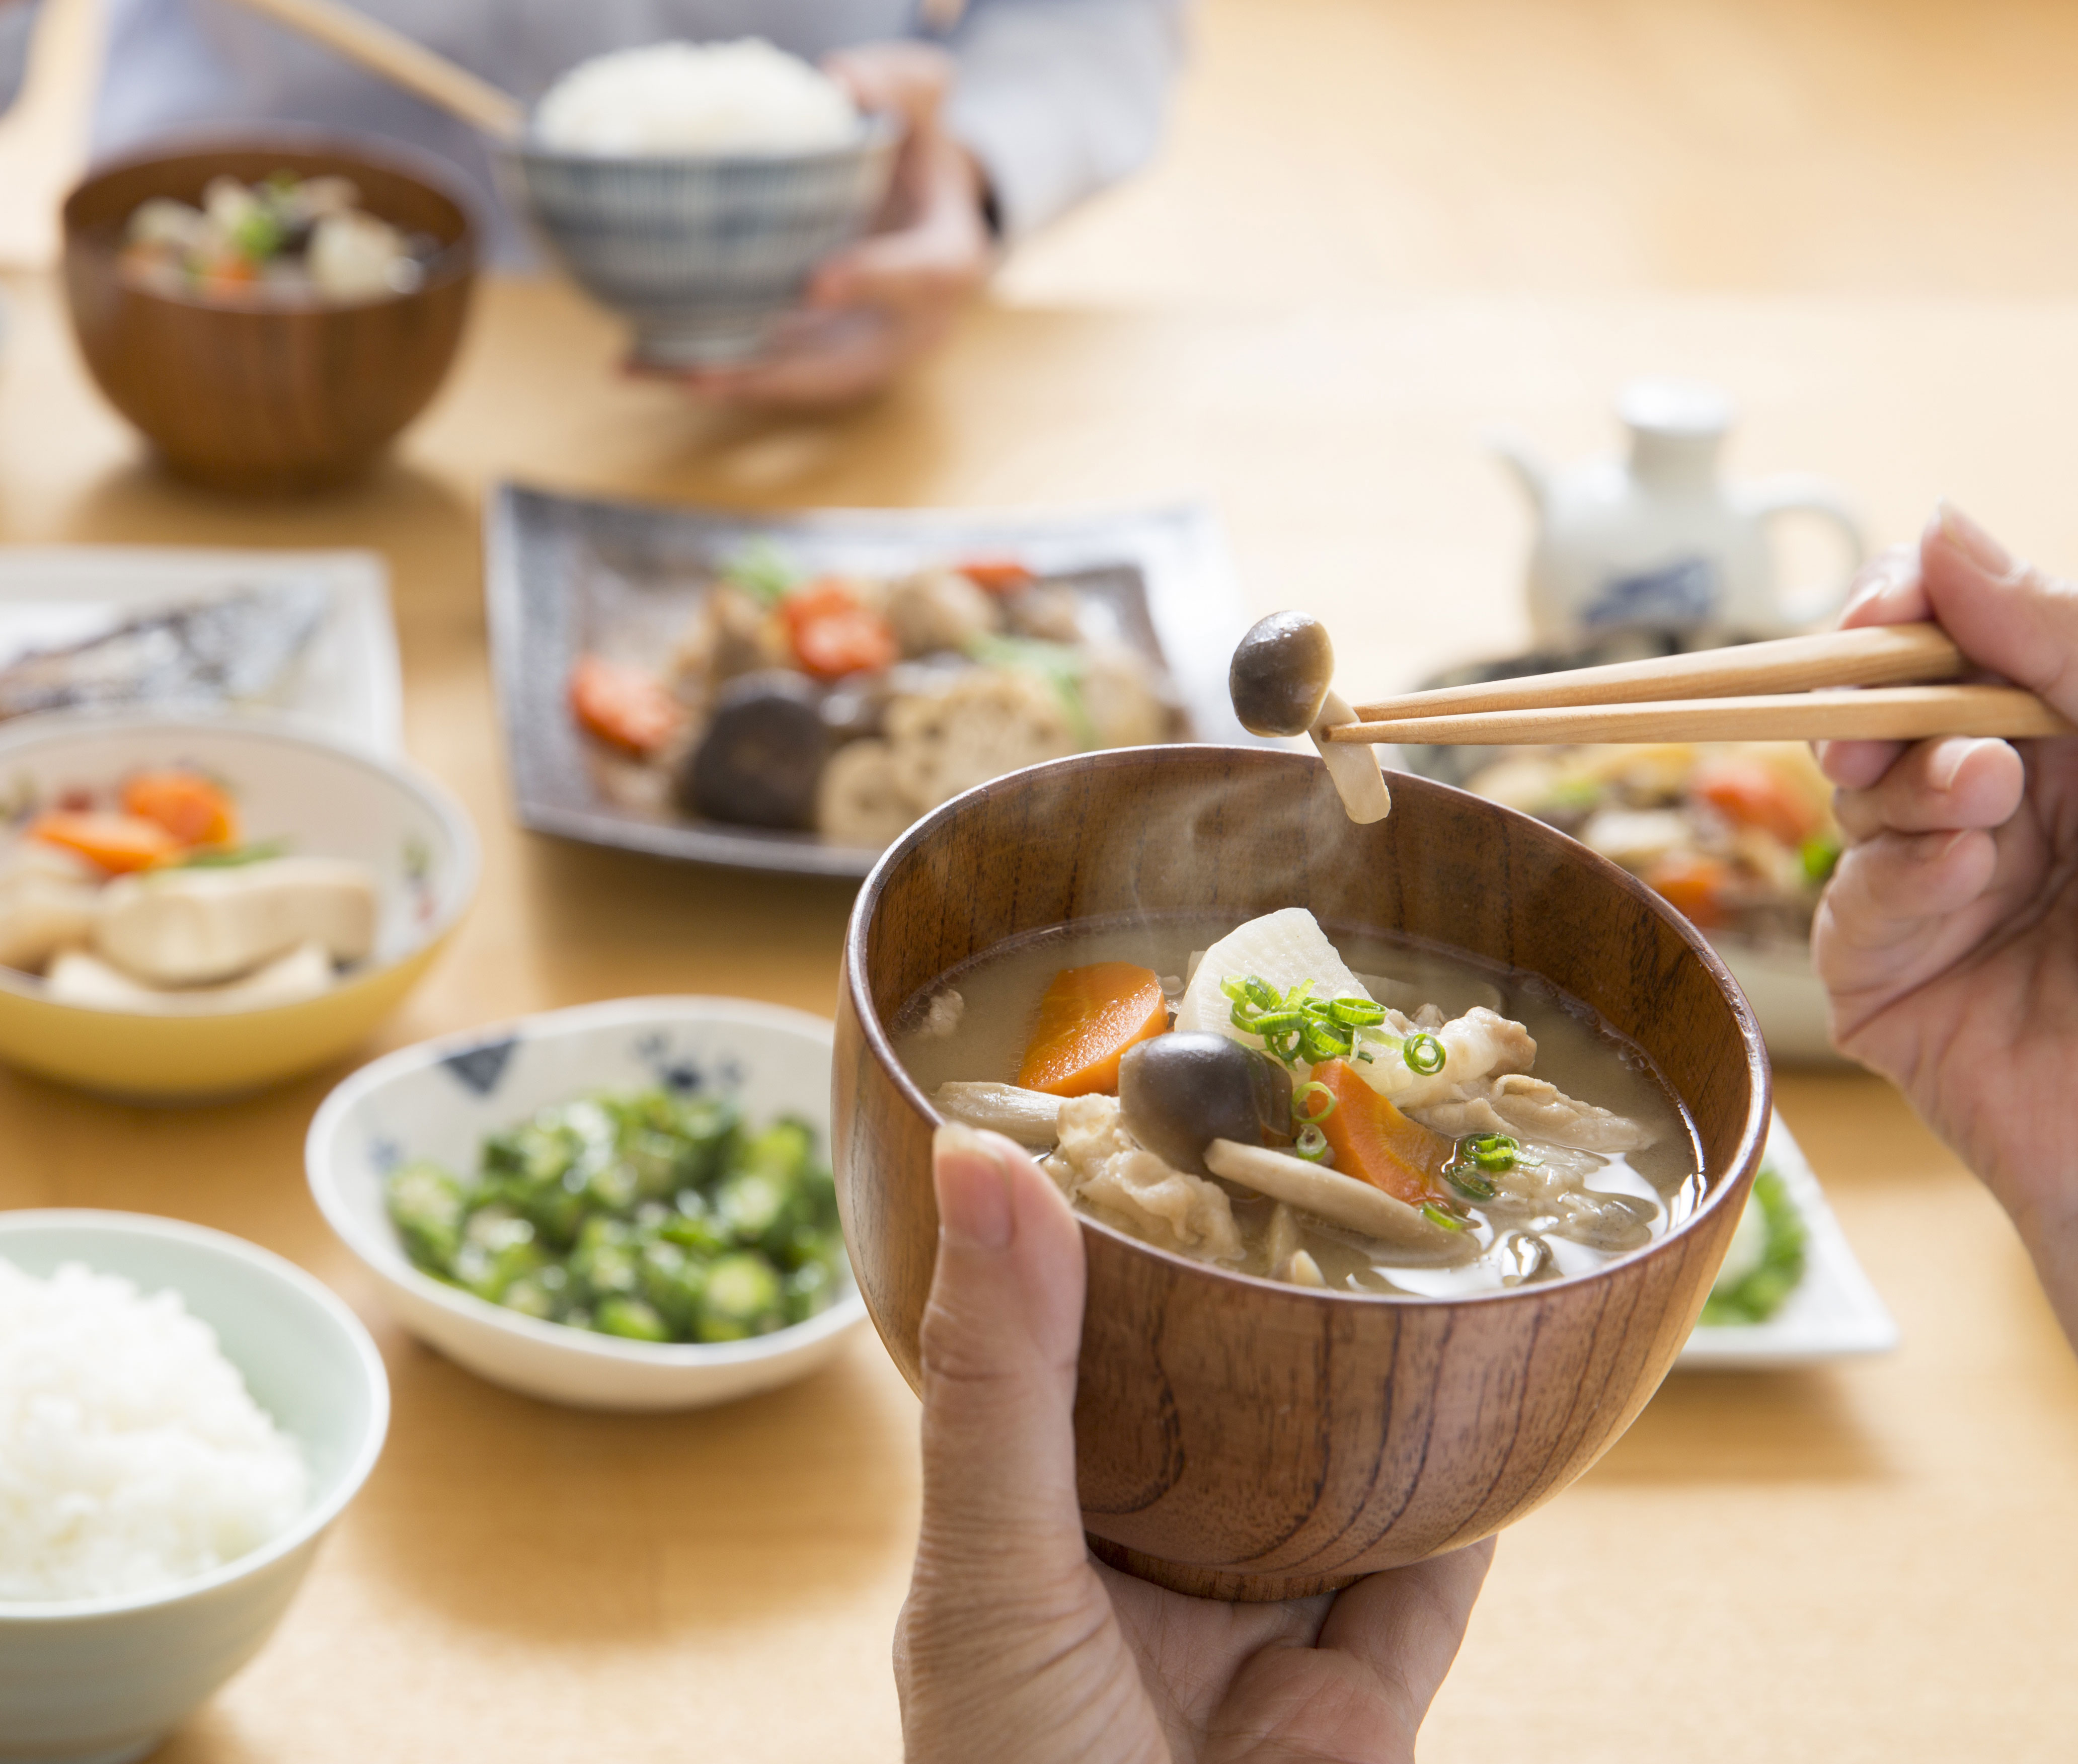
[[248, 399], [1236, 1438]]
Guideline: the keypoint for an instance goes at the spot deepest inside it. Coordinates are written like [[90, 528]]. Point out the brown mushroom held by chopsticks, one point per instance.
[[1281, 681], [1281, 673]]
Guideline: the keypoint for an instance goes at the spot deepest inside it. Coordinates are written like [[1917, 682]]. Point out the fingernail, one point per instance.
[[1975, 543], [973, 1190], [1888, 572], [1945, 765]]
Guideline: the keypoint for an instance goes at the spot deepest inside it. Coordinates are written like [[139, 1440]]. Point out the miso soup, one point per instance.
[[1326, 1106]]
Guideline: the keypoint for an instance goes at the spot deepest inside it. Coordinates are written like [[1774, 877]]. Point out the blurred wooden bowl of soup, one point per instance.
[[259, 397], [1243, 1437]]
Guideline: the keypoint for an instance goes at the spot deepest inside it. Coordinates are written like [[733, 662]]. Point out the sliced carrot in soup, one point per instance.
[[1374, 1142], [1088, 1019]]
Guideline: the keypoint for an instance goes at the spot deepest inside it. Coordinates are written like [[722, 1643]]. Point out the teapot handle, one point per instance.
[[1797, 492]]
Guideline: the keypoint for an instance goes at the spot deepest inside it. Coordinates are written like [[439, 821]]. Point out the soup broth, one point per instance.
[[1591, 1156]]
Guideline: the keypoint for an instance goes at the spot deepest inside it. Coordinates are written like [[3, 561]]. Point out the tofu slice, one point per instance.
[[186, 927], [76, 978]]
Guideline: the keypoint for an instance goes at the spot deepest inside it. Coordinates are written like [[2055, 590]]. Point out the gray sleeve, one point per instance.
[[1058, 98], [17, 24]]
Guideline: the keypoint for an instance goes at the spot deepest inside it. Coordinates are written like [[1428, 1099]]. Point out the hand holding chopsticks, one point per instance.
[[1872, 683]]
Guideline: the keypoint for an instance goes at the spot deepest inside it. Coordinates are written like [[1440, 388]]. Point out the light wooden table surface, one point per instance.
[[1869, 1561]]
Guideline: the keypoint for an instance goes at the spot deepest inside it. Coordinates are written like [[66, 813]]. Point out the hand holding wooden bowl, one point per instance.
[[1239, 1437]]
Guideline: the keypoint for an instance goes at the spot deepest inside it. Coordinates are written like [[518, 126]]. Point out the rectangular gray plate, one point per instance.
[[567, 574]]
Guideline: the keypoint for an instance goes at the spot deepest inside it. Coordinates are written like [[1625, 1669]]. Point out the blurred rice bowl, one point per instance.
[[693, 189]]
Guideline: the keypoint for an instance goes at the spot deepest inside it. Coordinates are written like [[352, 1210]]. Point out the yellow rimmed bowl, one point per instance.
[[325, 798]]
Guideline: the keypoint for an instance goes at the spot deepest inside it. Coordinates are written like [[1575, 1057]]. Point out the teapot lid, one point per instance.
[[1675, 407]]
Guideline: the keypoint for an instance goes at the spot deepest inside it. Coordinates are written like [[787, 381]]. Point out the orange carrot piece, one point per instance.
[[622, 706], [1373, 1141], [194, 811], [1748, 793], [1088, 1019], [117, 843], [834, 632], [998, 575], [1697, 886]]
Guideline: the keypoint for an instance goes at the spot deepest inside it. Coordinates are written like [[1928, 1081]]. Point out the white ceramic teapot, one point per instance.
[[1659, 539]]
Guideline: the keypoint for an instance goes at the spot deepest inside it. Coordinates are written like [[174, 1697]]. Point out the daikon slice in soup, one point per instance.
[[1336, 1109]]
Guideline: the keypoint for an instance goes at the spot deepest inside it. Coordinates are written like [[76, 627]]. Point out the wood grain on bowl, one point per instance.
[[1236, 1438], [252, 400]]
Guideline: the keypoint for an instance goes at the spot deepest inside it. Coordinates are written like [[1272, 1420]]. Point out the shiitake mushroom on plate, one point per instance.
[[762, 755]]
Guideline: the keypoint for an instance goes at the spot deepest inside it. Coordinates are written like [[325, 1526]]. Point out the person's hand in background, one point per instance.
[[1014, 1646], [875, 306], [1948, 939]]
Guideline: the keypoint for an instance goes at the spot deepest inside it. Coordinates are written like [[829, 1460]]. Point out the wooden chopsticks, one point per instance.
[[1791, 690]]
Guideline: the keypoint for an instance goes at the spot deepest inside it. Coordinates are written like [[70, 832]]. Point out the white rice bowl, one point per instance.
[[675, 98], [132, 1457]]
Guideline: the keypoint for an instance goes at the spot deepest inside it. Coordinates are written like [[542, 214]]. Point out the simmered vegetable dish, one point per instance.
[[147, 895], [850, 705], [644, 1214], [1740, 836]]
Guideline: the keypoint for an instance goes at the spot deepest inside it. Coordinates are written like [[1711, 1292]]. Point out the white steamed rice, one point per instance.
[[688, 98], [132, 1455]]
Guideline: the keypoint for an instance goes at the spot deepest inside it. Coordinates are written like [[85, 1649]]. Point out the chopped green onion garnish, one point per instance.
[[1318, 1041], [1301, 1112], [1436, 1215], [1300, 1027], [1491, 1152], [1356, 1013], [1312, 1144], [1423, 1053]]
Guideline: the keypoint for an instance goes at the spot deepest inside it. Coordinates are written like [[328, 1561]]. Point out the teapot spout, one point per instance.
[[1513, 449]]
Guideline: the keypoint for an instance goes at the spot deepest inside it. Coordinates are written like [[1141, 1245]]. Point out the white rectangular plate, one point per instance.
[[1835, 1312], [348, 683]]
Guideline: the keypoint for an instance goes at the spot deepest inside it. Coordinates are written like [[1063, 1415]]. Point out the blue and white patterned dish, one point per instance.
[[703, 254], [441, 1099]]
